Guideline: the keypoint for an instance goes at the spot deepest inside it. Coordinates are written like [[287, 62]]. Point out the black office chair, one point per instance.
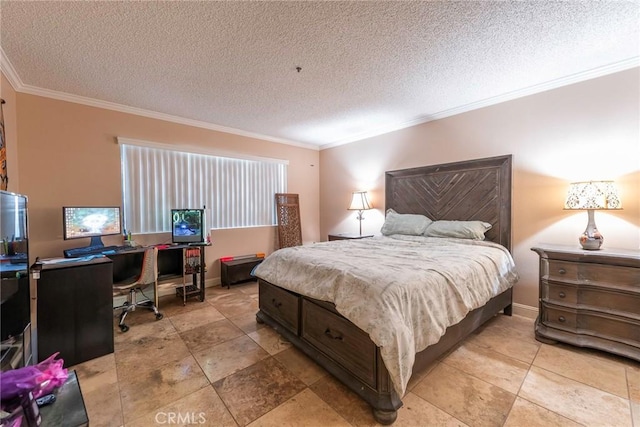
[[148, 276]]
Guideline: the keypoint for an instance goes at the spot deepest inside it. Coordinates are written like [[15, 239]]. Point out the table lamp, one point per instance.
[[359, 202], [592, 195]]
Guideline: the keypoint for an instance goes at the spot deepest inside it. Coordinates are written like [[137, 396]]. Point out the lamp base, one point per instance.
[[591, 243], [591, 239], [360, 218]]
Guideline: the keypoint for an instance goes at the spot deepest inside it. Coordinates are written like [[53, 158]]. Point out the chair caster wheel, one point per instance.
[[124, 328], [159, 316]]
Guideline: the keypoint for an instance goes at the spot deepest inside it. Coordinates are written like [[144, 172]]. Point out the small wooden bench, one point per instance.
[[237, 270]]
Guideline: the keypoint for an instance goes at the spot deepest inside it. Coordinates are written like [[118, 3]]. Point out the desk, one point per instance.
[[74, 302], [128, 264]]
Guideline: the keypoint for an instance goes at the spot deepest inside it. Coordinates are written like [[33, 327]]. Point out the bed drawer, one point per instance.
[[281, 305], [341, 340]]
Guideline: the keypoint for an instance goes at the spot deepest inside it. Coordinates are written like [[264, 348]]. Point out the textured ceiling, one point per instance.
[[367, 67]]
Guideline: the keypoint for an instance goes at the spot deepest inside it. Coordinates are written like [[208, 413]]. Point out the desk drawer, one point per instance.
[[280, 304], [341, 340]]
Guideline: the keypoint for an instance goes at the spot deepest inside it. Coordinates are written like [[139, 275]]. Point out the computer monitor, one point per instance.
[[187, 225], [94, 222]]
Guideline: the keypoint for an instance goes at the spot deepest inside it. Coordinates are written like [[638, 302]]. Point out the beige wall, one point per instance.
[[584, 131], [68, 155]]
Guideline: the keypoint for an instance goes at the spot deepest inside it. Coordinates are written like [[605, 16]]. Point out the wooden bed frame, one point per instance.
[[469, 190]]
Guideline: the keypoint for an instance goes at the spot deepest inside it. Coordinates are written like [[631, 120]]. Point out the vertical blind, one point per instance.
[[235, 192]]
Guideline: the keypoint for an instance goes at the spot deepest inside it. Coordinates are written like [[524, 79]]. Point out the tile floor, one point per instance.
[[209, 363]]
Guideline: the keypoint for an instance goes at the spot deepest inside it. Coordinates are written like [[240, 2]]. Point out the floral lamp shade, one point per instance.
[[591, 196]]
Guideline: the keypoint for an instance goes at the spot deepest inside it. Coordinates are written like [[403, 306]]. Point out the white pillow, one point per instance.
[[407, 224], [458, 229]]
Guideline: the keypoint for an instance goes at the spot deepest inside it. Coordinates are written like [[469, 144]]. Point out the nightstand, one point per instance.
[[348, 236], [590, 298]]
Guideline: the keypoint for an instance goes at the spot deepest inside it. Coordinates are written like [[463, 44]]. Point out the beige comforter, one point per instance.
[[404, 291]]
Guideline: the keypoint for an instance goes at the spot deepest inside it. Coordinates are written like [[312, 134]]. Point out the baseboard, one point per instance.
[[525, 310], [169, 288]]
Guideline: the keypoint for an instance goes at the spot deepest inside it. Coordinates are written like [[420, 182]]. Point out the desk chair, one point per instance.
[[148, 276]]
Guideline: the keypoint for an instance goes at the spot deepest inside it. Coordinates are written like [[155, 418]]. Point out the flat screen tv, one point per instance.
[[93, 222], [187, 225]]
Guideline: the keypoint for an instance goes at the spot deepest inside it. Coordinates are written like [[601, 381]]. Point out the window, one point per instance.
[[236, 192]]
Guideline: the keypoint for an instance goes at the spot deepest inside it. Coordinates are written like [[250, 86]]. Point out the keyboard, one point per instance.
[[112, 250], [119, 249], [87, 250]]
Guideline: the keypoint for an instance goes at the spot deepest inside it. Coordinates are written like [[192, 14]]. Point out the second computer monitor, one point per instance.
[[187, 225]]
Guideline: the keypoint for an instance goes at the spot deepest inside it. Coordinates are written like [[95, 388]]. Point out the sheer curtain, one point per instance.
[[236, 192]]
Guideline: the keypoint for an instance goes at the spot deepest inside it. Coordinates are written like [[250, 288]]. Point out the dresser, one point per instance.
[[590, 298]]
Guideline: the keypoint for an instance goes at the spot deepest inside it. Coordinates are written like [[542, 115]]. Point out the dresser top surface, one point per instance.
[[576, 253]]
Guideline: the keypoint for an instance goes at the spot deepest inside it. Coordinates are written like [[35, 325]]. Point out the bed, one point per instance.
[[323, 326]]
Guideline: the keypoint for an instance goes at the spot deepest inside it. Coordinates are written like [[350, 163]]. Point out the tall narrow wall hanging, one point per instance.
[[4, 179]]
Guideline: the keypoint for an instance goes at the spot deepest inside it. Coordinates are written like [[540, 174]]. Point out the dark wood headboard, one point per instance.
[[469, 190]]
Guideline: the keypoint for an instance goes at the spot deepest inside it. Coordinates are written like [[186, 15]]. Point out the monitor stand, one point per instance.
[[93, 248], [96, 241]]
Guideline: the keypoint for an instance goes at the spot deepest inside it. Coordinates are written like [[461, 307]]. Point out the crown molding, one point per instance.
[[11, 74], [63, 96], [9, 71], [509, 96]]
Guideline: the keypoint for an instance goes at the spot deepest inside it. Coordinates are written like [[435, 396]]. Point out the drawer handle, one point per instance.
[[562, 271], [562, 319], [562, 294], [275, 303], [330, 335]]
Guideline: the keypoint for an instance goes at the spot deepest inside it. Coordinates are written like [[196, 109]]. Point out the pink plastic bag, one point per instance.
[[39, 379]]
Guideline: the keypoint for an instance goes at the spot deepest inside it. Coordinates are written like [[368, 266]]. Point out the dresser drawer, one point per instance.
[[280, 304], [611, 301], [559, 294], [601, 298], [592, 273], [594, 324], [558, 317], [341, 340]]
